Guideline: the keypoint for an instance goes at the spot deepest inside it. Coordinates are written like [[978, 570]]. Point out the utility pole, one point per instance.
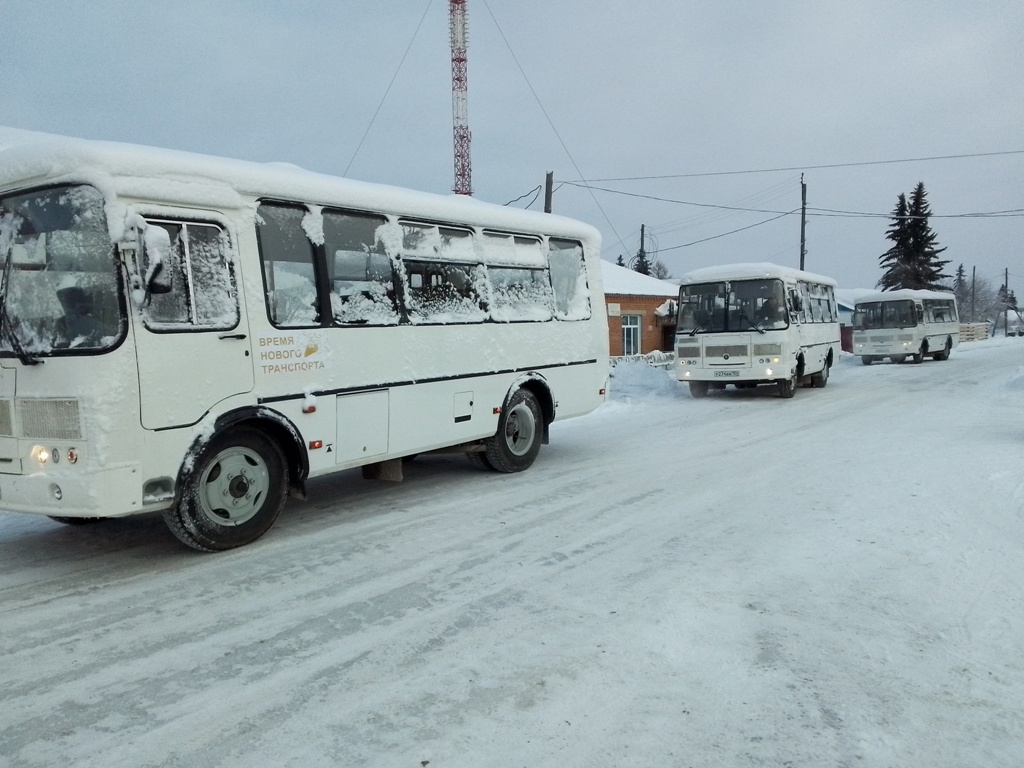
[[974, 288], [1006, 308], [803, 220], [549, 183]]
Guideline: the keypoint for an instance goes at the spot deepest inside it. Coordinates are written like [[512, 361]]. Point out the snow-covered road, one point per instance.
[[833, 580]]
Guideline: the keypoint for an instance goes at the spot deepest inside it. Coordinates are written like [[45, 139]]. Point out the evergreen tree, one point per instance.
[[620, 261], [912, 261], [895, 261], [641, 264]]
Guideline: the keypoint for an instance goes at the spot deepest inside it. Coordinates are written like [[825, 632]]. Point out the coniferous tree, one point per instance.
[[927, 271], [641, 264], [895, 261], [912, 261], [620, 261]]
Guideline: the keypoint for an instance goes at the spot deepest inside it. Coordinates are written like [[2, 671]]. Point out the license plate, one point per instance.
[[726, 374]]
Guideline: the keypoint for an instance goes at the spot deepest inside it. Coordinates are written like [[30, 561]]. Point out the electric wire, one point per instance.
[[388, 89]]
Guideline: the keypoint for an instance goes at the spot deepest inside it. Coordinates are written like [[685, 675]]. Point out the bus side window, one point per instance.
[[440, 292], [568, 280], [362, 281], [197, 275], [288, 272]]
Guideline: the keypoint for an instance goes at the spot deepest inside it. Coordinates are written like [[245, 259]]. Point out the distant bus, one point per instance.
[[200, 336], [905, 323], [750, 324]]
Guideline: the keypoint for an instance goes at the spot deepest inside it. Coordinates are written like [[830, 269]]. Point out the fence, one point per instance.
[[654, 359], [974, 331]]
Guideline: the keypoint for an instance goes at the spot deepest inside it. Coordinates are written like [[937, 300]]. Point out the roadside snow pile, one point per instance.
[[640, 380]]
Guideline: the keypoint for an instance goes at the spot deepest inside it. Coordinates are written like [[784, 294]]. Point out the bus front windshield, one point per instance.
[[884, 314], [59, 291], [732, 306]]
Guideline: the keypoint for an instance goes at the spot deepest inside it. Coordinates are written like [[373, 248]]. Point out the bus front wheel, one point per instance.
[[866, 359], [699, 388], [787, 387], [234, 493], [517, 443], [944, 354]]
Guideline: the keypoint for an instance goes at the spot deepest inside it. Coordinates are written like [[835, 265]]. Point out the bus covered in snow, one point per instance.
[[905, 323], [199, 336], [751, 324]]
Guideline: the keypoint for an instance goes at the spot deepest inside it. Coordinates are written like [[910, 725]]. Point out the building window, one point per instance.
[[631, 334]]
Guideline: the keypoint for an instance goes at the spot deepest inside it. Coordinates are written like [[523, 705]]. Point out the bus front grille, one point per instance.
[[6, 422], [49, 419], [730, 350]]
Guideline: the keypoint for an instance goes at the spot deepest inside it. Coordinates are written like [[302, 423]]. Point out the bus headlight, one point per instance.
[[41, 454]]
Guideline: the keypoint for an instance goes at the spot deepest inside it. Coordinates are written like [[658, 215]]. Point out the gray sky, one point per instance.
[[604, 90]]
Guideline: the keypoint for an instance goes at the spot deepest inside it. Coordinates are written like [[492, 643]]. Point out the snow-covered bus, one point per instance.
[[905, 323], [750, 324], [201, 336]]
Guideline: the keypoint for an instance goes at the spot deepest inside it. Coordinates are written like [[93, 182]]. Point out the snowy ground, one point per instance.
[[833, 580]]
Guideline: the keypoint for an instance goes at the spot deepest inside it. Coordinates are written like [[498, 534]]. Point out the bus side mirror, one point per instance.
[[920, 315]]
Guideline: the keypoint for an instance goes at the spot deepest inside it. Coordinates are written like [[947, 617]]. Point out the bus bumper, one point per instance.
[[107, 492]]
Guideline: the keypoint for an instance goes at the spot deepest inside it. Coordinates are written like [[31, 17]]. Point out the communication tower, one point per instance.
[[460, 108]]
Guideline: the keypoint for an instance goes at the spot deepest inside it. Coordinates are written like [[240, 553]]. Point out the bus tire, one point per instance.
[[517, 442], [699, 389], [918, 357], [944, 354], [787, 387], [233, 494], [897, 359], [866, 359], [820, 379]]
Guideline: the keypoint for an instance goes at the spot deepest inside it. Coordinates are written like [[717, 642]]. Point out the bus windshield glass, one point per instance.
[[59, 292], [885, 314], [732, 306]]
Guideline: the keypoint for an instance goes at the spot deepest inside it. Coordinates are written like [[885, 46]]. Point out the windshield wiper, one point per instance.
[[743, 316], [6, 326]]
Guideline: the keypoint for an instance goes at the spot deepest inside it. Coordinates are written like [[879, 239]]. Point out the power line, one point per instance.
[[814, 167], [388, 89]]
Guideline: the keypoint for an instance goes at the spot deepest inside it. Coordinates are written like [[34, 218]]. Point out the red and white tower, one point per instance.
[[460, 108]]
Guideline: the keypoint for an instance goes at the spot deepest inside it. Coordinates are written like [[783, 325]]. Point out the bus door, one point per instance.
[[191, 335]]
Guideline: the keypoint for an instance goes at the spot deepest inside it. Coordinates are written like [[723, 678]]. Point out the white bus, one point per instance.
[[750, 324], [905, 323], [201, 336]]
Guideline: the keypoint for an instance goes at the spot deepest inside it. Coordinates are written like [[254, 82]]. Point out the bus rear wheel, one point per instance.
[[867, 359], [918, 357], [517, 442], [233, 494], [944, 354], [820, 379], [897, 358]]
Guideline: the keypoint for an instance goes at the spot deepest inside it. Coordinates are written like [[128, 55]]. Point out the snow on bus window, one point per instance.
[[288, 272], [198, 290], [440, 292], [520, 294], [362, 280], [61, 287], [568, 280]]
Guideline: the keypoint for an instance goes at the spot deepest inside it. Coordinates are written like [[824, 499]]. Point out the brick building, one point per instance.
[[641, 311]]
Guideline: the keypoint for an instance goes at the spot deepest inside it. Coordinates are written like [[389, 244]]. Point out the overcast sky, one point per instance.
[[727, 101]]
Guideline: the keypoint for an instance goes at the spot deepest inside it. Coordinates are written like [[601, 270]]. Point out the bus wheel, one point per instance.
[[918, 356], [897, 358], [866, 359], [517, 442], [787, 387], [944, 354], [233, 494], [820, 379], [699, 388]]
